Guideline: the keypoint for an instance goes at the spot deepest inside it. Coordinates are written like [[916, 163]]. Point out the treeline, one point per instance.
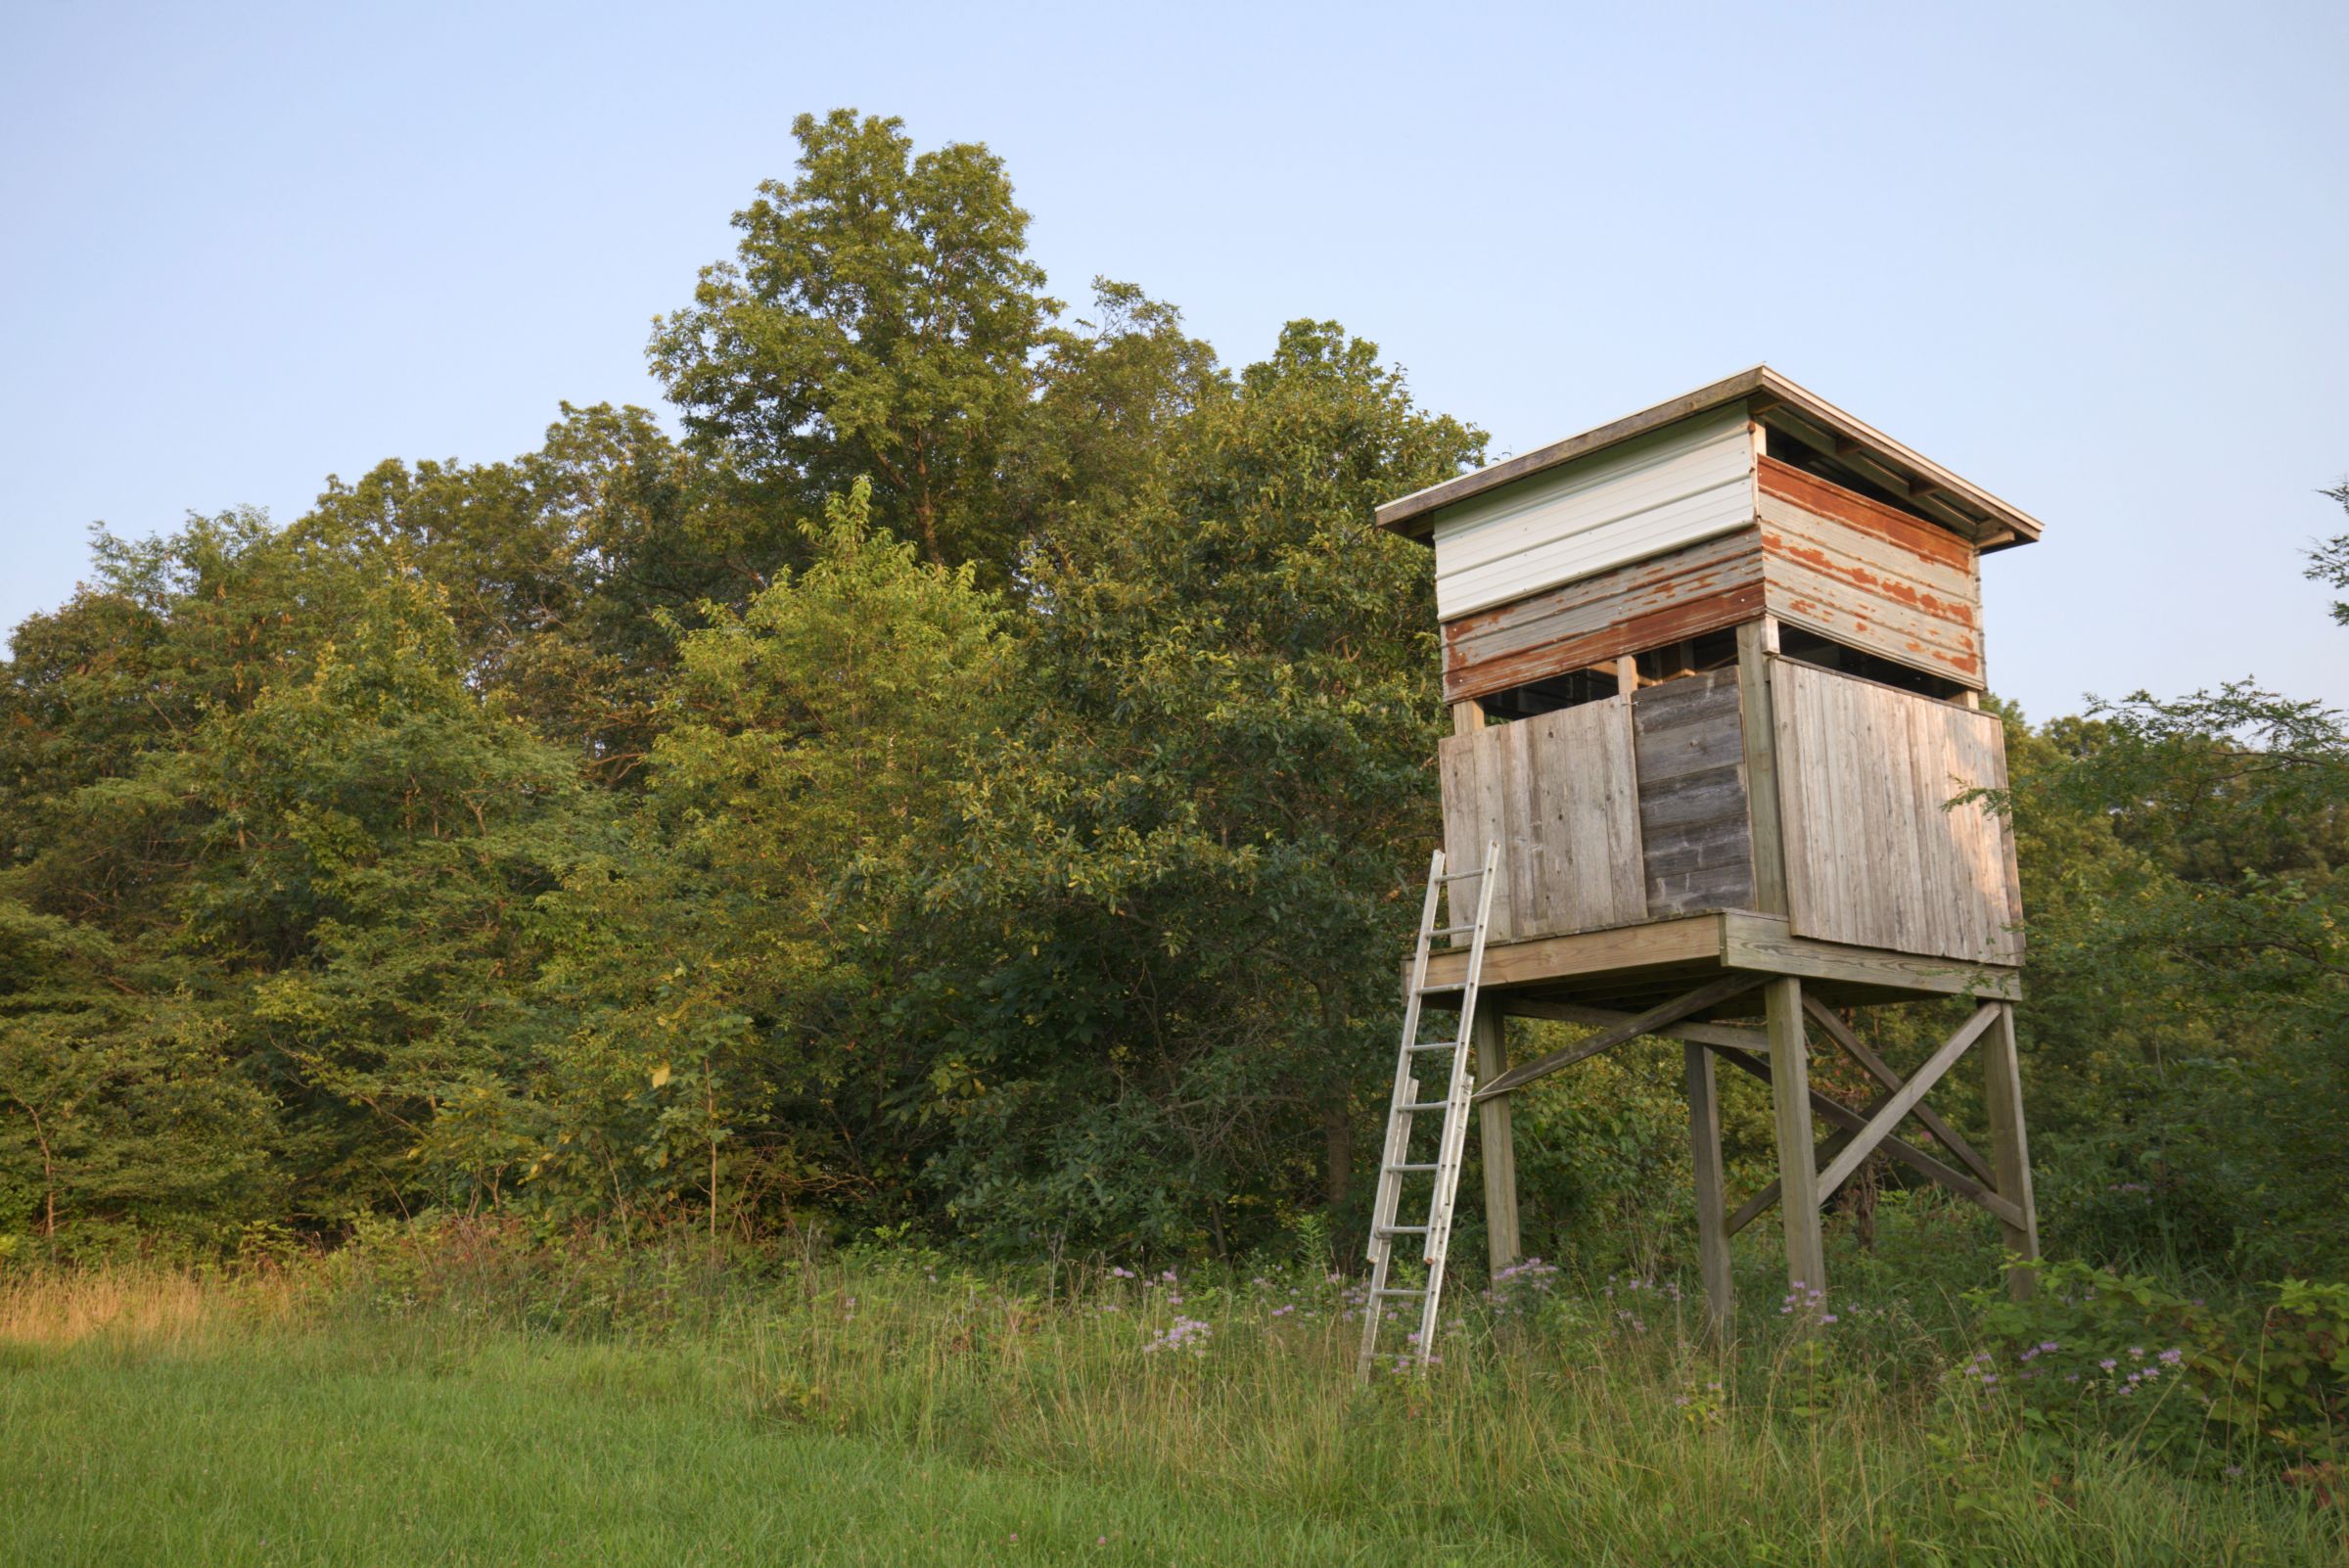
[[975, 780]]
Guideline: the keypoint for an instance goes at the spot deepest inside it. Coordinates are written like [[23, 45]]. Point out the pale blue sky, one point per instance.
[[2094, 258]]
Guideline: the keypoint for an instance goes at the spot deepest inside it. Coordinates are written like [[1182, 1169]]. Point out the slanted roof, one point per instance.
[[1800, 414]]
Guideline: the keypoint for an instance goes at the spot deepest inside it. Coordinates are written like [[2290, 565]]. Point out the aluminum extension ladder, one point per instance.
[[1396, 1163]]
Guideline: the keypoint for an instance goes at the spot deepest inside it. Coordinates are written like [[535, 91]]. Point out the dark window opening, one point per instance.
[[1811, 460], [1696, 656], [1550, 694], [1691, 656], [1827, 654]]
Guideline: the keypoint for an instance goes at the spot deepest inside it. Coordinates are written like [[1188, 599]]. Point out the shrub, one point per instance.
[[2267, 1380]]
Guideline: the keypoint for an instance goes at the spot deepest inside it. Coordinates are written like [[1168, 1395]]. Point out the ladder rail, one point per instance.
[[1395, 1162], [1390, 1185], [1456, 1121]]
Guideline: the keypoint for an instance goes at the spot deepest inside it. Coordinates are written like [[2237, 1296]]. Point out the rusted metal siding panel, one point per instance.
[[1695, 846], [1686, 482], [1847, 568], [1876, 855], [1559, 793], [1702, 587]]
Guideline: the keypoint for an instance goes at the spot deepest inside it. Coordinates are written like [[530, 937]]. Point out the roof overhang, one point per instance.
[[1791, 410]]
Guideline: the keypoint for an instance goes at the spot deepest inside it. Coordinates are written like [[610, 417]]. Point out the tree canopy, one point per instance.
[[975, 779]]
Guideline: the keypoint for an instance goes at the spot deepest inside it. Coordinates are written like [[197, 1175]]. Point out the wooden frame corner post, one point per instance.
[[2009, 1147], [1712, 1206], [1798, 1172]]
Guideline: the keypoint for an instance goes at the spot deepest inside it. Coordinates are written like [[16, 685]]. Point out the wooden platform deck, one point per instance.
[[1635, 966]]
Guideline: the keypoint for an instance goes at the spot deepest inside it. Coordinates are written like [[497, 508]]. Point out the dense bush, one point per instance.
[[2264, 1381]]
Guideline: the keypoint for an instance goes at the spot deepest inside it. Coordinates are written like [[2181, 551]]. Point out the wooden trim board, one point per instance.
[[1732, 940], [1413, 515], [1767, 944]]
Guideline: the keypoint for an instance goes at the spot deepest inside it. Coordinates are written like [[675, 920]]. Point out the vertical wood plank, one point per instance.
[[2011, 943], [1520, 851], [1625, 849], [1463, 807], [1492, 747], [1798, 1171], [2009, 1145], [1712, 1209], [1872, 857], [1978, 867], [1497, 1140], [1756, 645], [1950, 762], [1919, 857]]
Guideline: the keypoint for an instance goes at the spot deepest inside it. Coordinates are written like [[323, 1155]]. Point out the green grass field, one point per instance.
[[586, 1412]]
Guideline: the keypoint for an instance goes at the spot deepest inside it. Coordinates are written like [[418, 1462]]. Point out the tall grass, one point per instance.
[[887, 1407]]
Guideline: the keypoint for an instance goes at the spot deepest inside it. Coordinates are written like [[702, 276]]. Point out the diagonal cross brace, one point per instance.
[[1849, 1121], [1901, 1101], [1748, 1051], [1712, 995], [1841, 1033]]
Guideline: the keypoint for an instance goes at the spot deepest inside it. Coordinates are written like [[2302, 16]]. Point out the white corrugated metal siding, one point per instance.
[[1686, 482]]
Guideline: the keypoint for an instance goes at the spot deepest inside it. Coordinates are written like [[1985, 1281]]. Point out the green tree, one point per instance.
[[1164, 970], [2328, 562], [2185, 880], [880, 319], [119, 1104], [737, 973], [561, 566]]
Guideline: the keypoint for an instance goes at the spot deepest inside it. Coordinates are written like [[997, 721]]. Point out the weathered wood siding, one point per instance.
[[1686, 482], [1863, 574], [1702, 587], [1560, 794], [1874, 856], [1696, 849]]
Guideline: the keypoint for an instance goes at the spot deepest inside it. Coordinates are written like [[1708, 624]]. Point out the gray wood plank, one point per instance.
[[1877, 856]]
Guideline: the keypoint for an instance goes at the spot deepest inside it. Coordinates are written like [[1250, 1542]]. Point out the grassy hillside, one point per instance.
[[488, 1404]]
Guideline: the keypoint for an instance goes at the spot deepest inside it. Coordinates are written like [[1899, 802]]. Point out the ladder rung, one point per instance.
[[1448, 985], [1407, 1169], [1460, 876], [1400, 1290], [1403, 1231], [1434, 1046], [1452, 931], [1423, 1105]]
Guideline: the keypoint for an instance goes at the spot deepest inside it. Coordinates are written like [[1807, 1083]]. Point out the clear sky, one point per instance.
[[2094, 258]]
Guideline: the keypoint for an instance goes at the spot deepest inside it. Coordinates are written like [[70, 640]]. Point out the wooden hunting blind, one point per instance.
[[1714, 672]]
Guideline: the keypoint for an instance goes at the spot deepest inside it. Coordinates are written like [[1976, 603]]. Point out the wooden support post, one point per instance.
[[1497, 1140], [1467, 716], [2009, 1147], [1798, 1177], [1498, 1144], [1712, 1222], [1627, 675], [1848, 1122]]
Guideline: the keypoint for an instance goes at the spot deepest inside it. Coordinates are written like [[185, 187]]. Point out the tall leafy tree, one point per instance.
[[121, 1103], [2186, 875], [1180, 897], [564, 568], [878, 319], [737, 974]]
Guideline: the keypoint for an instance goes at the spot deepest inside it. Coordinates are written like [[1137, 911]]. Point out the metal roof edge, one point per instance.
[[1413, 515]]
